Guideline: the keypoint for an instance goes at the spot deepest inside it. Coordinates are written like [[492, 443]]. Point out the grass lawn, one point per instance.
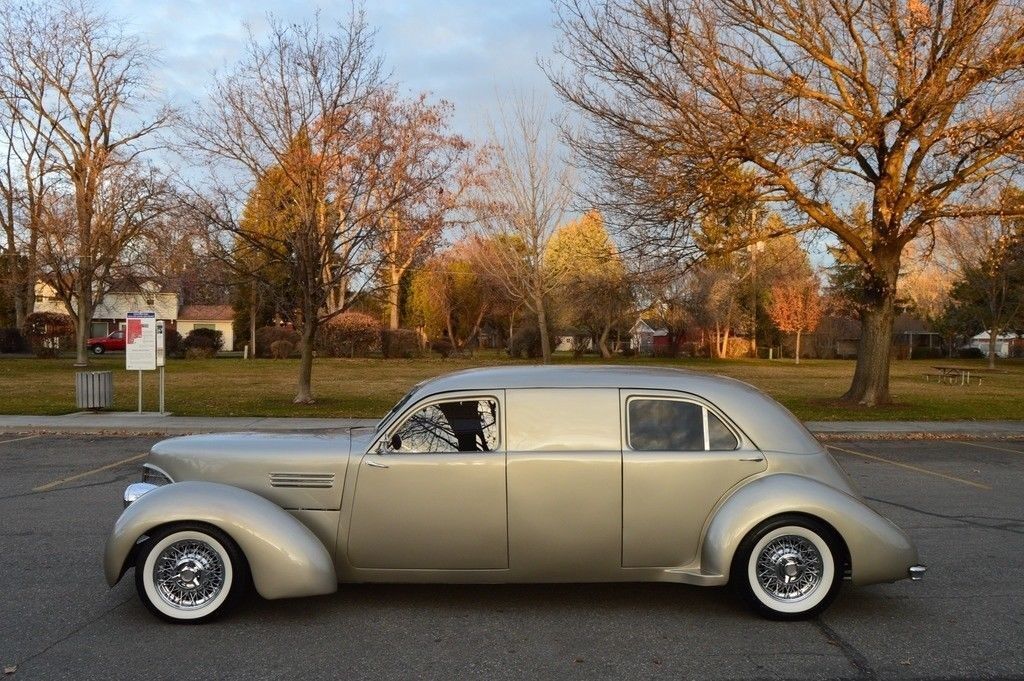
[[368, 387]]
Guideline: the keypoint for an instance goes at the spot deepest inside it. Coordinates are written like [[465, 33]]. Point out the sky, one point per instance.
[[464, 51]]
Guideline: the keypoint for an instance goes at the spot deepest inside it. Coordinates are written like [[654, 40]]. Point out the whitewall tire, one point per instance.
[[790, 567], [189, 573]]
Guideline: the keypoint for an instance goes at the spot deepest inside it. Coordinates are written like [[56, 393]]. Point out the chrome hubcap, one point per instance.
[[789, 568], [189, 574]]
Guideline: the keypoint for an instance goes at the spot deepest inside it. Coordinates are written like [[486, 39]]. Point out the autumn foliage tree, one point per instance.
[[815, 105], [296, 107], [425, 173], [796, 308], [449, 298], [594, 291]]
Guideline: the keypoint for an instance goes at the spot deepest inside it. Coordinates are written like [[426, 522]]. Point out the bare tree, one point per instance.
[[25, 179], [126, 202], [529, 193], [427, 173], [294, 113], [84, 79], [814, 104]]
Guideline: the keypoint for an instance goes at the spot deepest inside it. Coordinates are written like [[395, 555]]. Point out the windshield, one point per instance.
[[398, 407]]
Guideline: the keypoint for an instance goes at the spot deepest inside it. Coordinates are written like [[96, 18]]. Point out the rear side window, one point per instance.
[[675, 426]]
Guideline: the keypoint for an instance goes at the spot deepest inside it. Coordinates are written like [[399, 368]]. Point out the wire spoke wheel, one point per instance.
[[789, 568], [189, 574]]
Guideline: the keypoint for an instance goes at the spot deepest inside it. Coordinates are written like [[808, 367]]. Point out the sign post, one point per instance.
[[160, 357], [140, 344]]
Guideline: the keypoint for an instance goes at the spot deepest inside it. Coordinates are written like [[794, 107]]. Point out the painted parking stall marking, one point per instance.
[[910, 467], [987, 446], [18, 439], [57, 483]]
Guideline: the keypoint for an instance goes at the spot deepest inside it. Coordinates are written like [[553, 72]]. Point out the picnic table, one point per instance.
[[953, 374]]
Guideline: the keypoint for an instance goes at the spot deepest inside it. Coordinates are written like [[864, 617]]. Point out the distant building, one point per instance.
[[113, 308], [1005, 343], [217, 317], [840, 336]]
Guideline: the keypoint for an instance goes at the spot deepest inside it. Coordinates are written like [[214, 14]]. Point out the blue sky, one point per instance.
[[464, 51]]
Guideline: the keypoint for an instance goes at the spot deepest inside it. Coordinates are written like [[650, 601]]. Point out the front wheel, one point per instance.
[[788, 568], [98, 349], [189, 573]]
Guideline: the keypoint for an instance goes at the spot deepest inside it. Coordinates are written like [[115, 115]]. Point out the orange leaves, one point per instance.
[[796, 306]]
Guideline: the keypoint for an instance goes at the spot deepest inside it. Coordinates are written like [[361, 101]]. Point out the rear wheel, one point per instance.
[[98, 349], [190, 573], [788, 568]]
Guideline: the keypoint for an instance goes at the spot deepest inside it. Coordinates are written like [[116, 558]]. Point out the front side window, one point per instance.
[[660, 425], [456, 426]]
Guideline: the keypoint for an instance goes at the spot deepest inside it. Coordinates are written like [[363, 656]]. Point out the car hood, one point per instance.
[[295, 471]]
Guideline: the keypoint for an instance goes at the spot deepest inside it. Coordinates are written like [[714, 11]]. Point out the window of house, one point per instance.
[[676, 425], [455, 426], [212, 327]]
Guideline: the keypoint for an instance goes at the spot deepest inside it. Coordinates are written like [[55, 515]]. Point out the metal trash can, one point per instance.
[[94, 389]]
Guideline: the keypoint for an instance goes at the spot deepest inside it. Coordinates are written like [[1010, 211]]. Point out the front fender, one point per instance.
[[879, 551], [285, 557]]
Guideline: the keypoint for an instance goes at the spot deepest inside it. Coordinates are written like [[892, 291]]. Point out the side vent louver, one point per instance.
[[313, 480]]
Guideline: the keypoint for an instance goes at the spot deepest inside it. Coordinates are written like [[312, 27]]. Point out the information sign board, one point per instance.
[[140, 341]]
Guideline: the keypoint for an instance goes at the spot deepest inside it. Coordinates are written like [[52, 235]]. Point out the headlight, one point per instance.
[[154, 476]]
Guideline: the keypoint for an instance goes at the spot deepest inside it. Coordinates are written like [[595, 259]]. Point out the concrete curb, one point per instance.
[[130, 423]]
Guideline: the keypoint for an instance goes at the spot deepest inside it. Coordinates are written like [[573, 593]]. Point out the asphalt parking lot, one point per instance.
[[962, 502]]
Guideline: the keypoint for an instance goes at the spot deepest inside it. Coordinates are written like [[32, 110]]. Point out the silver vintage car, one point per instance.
[[512, 474]]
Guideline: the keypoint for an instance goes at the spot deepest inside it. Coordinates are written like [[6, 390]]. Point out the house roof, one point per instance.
[[207, 313]]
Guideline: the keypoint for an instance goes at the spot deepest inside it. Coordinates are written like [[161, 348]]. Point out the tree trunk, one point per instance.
[[304, 394], [602, 342], [542, 326], [796, 355], [396, 276], [992, 338], [252, 324], [870, 386], [84, 320]]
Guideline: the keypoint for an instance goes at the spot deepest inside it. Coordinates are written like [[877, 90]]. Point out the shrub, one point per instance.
[[404, 343], [173, 343], [970, 353], [49, 332], [202, 343], [526, 343], [350, 334], [281, 349], [266, 336], [442, 347], [1017, 351], [11, 340]]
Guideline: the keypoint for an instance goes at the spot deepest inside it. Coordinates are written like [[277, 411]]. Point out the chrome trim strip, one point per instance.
[[916, 572]]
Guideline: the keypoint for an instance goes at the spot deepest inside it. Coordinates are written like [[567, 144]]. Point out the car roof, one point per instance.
[[769, 425]]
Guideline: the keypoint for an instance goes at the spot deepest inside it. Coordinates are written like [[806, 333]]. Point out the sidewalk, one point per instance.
[[131, 423]]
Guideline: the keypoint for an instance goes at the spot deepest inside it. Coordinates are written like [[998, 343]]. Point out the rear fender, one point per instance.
[[879, 551], [285, 557]]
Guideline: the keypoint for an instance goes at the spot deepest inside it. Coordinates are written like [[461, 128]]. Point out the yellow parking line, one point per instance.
[[917, 469], [57, 483], [18, 439], [998, 449]]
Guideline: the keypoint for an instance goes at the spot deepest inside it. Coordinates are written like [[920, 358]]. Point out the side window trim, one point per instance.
[[705, 410], [439, 398]]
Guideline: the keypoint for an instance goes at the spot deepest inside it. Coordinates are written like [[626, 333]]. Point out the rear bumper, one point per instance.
[[916, 572]]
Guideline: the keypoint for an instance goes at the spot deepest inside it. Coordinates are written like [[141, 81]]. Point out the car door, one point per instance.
[[564, 484], [431, 494], [680, 455]]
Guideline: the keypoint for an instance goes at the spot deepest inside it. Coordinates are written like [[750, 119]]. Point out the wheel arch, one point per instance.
[[840, 542], [284, 557], [875, 549]]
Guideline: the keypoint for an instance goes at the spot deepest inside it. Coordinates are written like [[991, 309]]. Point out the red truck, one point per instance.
[[112, 341]]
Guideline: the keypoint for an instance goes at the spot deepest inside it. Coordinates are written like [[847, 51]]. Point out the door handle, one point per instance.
[[375, 464], [754, 458]]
